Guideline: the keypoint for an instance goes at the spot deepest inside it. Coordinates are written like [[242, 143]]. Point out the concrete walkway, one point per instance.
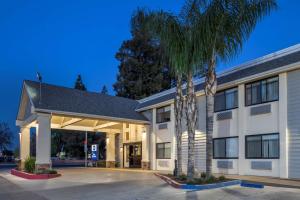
[[106, 184], [269, 181]]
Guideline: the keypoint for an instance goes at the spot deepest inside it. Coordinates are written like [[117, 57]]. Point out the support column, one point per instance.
[[110, 150], [173, 134], [24, 145], [153, 140], [43, 142], [283, 127], [145, 147], [241, 128]]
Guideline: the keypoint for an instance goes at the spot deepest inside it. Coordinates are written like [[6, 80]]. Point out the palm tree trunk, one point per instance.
[[191, 119], [210, 91], [178, 124]]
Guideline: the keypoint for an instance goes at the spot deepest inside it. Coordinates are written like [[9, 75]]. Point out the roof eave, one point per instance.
[[40, 110]]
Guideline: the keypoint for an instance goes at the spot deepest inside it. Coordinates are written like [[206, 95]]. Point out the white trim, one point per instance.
[[285, 68], [101, 126], [245, 65], [90, 116], [27, 121]]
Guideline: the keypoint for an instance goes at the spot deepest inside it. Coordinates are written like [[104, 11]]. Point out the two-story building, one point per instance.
[[256, 121]]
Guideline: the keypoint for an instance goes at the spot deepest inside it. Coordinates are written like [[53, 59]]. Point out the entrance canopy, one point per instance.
[[47, 107], [48, 98]]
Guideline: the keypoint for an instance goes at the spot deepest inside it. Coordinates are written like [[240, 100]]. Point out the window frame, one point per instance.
[[260, 83], [226, 109], [164, 157], [168, 111], [261, 141], [224, 138]]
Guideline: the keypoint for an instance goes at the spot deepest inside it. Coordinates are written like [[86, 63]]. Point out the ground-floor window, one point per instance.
[[226, 148], [163, 150], [262, 146]]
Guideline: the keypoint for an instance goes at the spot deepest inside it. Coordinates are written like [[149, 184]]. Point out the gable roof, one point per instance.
[[264, 64], [56, 98]]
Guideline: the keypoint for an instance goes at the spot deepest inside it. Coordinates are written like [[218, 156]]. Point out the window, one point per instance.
[[163, 114], [163, 150], [127, 136], [226, 148], [262, 146], [262, 91], [226, 100]]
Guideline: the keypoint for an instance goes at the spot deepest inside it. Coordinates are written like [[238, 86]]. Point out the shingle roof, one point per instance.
[[64, 99], [234, 75]]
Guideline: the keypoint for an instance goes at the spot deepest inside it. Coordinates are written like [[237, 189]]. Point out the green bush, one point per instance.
[[29, 165], [211, 179], [203, 175], [117, 164], [46, 171], [101, 163], [222, 178], [198, 181], [182, 177]]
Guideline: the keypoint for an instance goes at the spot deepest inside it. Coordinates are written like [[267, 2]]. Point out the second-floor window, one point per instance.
[[262, 91], [163, 114], [226, 100]]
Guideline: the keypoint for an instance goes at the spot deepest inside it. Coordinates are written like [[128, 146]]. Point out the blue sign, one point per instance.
[[95, 152]]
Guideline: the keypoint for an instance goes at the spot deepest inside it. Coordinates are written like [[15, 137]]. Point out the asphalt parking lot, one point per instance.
[[82, 183]]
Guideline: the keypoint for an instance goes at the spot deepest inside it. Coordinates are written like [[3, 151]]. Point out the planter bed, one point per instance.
[[179, 185], [26, 175]]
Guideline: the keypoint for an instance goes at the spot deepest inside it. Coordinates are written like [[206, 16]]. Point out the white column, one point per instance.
[[24, 143], [241, 128], [173, 133], [43, 141], [283, 129], [153, 140], [110, 150], [145, 146]]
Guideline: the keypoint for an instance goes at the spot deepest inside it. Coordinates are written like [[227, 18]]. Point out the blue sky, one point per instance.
[[61, 38]]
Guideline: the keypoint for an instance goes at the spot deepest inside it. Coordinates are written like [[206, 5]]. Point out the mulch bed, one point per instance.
[[171, 180]]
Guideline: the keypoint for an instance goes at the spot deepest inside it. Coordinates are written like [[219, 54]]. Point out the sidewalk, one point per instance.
[[268, 181]]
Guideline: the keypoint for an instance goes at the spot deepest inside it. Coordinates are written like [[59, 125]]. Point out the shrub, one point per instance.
[[101, 163], [203, 175], [198, 181], [30, 165], [211, 179], [46, 171], [182, 177], [222, 178]]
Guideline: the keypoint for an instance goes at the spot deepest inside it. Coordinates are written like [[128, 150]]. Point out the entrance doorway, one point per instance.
[[133, 155]]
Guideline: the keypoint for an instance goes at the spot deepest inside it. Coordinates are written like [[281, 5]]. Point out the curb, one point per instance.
[[252, 185], [33, 176]]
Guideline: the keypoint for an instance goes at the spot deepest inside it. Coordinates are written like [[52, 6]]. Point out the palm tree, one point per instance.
[[178, 36], [226, 24]]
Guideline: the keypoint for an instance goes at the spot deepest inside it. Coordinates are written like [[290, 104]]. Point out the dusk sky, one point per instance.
[[62, 39]]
